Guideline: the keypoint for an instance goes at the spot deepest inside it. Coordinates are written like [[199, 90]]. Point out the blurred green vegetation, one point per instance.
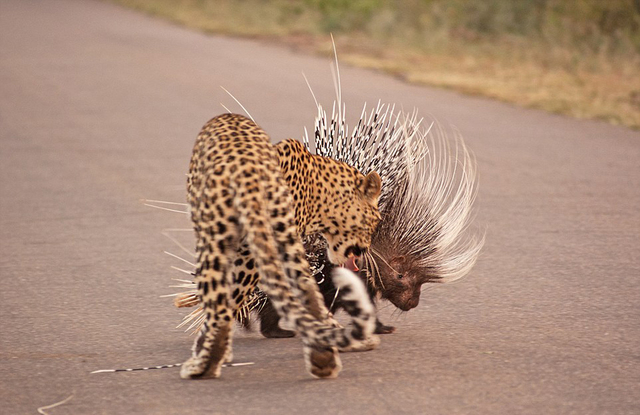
[[579, 57], [593, 25]]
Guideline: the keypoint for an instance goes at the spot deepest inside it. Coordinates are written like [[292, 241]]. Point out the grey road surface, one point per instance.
[[99, 108]]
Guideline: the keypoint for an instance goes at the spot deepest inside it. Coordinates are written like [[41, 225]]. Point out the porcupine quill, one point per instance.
[[189, 298], [135, 369]]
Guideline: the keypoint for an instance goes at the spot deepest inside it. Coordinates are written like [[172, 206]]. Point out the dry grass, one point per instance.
[[558, 77], [610, 93]]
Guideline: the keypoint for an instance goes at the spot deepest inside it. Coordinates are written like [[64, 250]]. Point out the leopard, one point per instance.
[[251, 203]]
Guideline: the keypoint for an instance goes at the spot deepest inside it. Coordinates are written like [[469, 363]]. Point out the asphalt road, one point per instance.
[[99, 107]]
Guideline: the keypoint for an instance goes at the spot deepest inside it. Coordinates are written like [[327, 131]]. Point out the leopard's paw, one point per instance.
[[197, 367], [322, 363]]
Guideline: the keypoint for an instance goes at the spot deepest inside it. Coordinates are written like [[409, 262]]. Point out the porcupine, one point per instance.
[[429, 186]]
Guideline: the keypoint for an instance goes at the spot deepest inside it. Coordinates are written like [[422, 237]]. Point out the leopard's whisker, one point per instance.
[[376, 266]]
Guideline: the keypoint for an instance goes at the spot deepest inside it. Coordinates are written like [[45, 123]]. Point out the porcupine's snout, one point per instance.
[[412, 301], [402, 290]]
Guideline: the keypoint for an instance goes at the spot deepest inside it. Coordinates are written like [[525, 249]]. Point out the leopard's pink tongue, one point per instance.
[[351, 264]]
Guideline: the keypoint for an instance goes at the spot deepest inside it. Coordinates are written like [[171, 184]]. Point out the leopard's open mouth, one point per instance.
[[351, 264]]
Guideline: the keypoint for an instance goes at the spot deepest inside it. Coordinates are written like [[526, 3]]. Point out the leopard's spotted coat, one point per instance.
[[250, 203]]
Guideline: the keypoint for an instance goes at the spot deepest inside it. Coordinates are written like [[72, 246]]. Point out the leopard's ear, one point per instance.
[[371, 187]]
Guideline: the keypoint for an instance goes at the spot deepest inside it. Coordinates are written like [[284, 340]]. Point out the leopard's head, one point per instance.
[[350, 213], [331, 198]]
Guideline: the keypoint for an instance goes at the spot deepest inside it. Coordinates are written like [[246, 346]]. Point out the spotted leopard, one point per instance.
[[250, 204]]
